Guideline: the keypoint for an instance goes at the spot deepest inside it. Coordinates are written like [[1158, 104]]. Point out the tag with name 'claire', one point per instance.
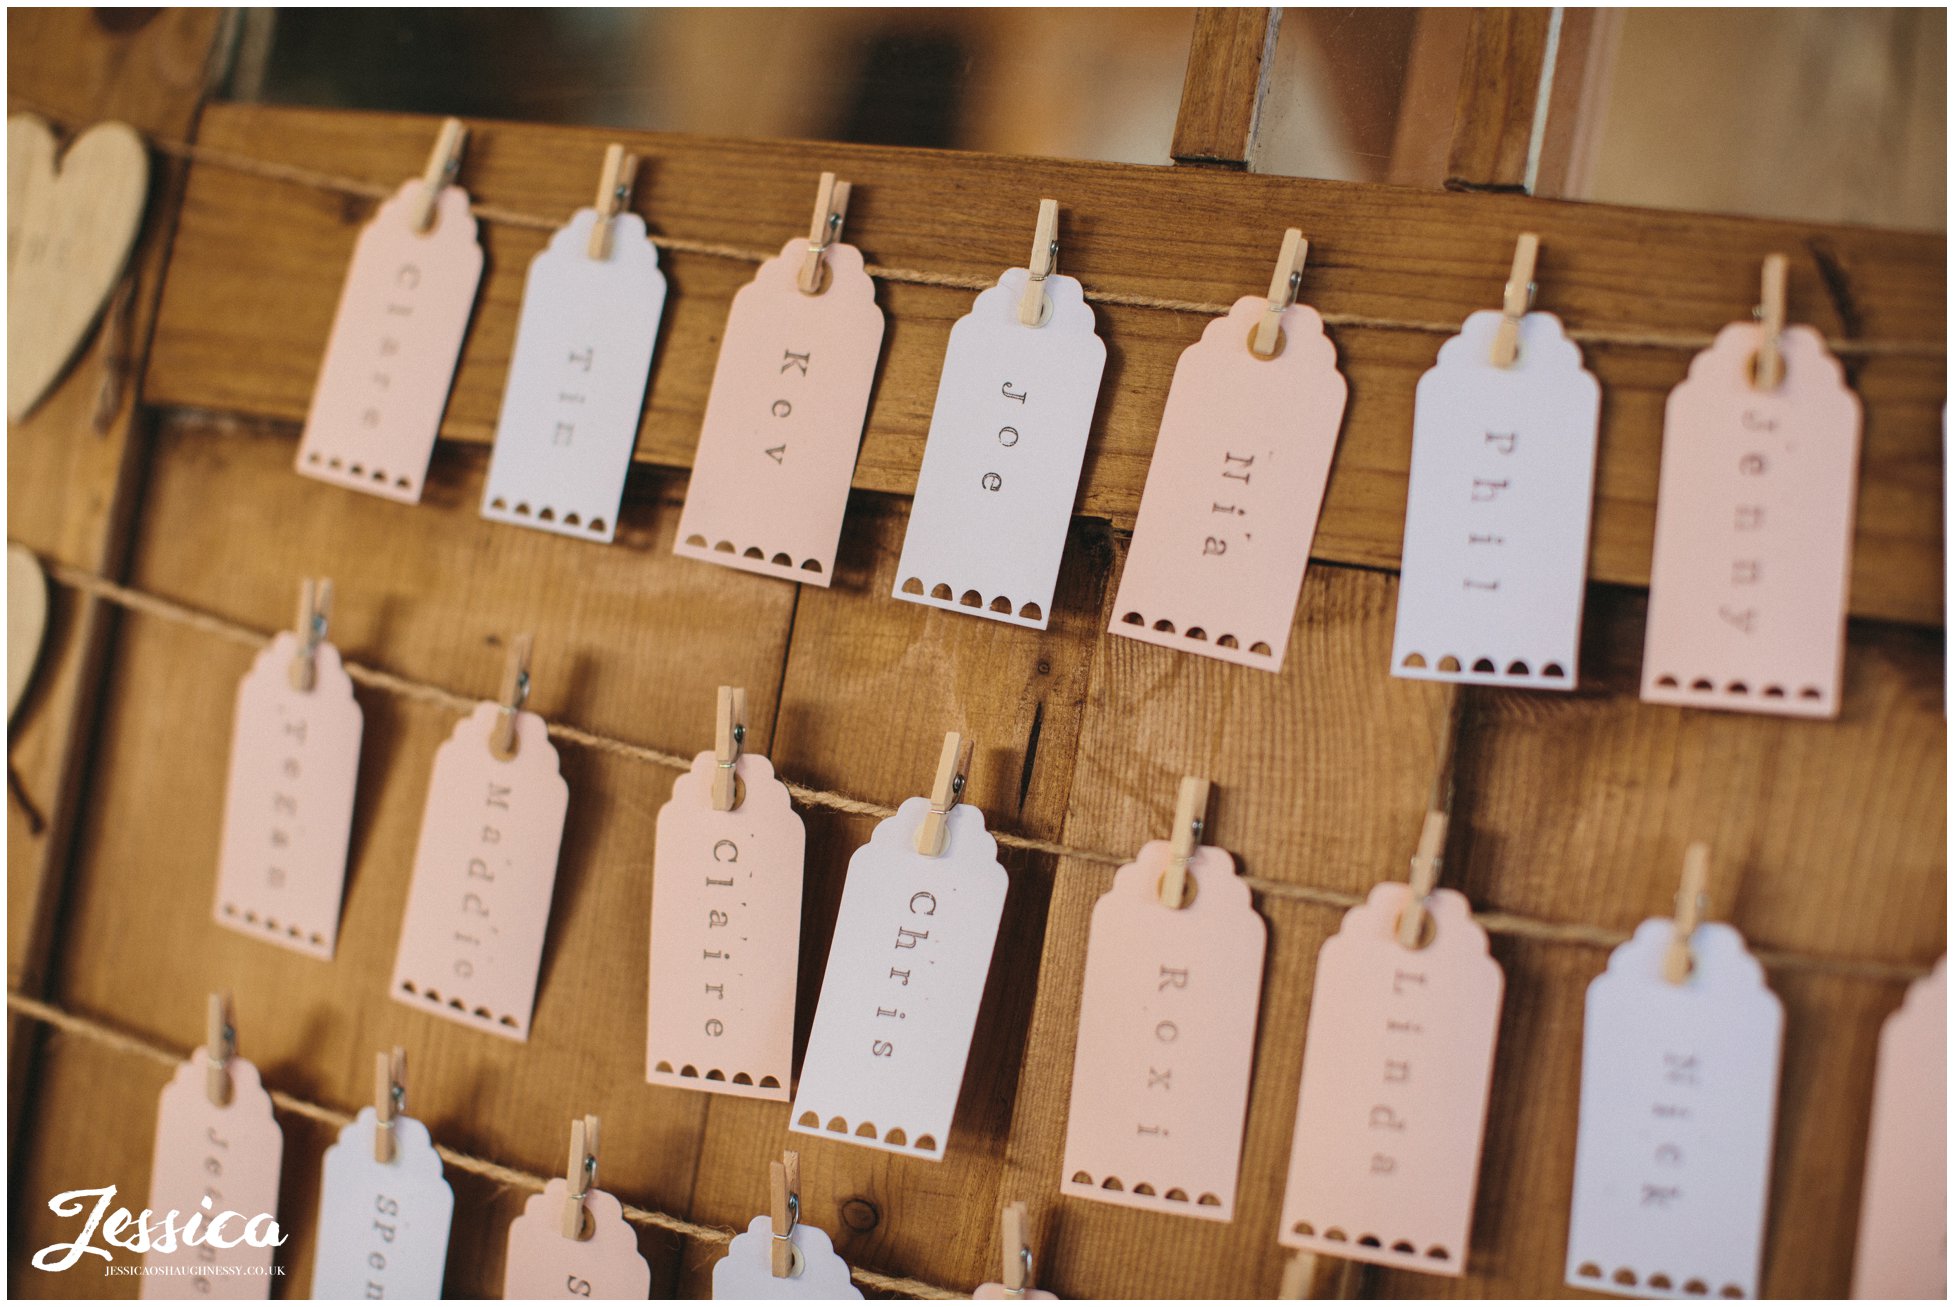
[[1903, 1213], [542, 1263], [383, 1226], [745, 1273]]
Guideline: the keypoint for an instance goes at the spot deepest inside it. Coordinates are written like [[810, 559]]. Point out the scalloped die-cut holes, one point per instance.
[[267, 924], [1738, 689], [359, 472], [479, 1013], [1114, 1184], [1483, 666], [1199, 634], [896, 1137], [1403, 1247], [1626, 1277], [778, 558], [968, 599], [547, 514]]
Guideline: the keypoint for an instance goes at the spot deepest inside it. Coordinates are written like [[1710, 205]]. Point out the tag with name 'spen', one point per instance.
[[396, 338], [784, 420], [383, 1226], [1903, 1212], [1238, 473], [1397, 1069], [912, 947], [725, 935], [1166, 1040], [484, 872], [1006, 443], [1753, 532], [542, 1263], [219, 1165], [577, 381], [288, 806], [1495, 567], [746, 1271], [1679, 1093]]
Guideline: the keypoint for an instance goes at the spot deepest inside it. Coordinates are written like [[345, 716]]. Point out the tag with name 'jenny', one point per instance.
[[1223, 535], [1753, 532], [383, 1226], [725, 935], [1007, 441], [212, 1160], [1903, 1213], [1166, 1040], [396, 338], [1397, 1071], [746, 1271], [605, 1263], [1679, 1090], [288, 806], [1495, 565], [577, 381], [484, 873], [906, 971], [784, 420]]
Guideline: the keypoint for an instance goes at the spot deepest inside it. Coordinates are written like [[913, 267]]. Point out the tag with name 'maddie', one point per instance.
[[1679, 1089], [1903, 1211], [816, 1273], [383, 1226], [484, 872], [784, 420], [1223, 536], [543, 1263], [1166, 1039], [1397, 1068], [912, 947]]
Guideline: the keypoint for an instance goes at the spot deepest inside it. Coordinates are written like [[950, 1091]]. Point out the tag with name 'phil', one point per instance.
[[383, 1226], [484, 872], [1397, 1068], [288, 806], [1495, 563], [542, 1263], [1679, 1092], [1166, 1039], [1007, 440], [577, 381], [1903, 1214], [725, 935], [1753, 532], [396, 338], [1223, 536], [816, 1273], [218, 1166], [912, 947], [784, 420]]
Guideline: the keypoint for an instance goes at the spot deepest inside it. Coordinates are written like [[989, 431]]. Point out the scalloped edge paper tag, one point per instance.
[[745, 1273], [541, 1263], [993, 1289], [383, 1226], [1903, 1212]]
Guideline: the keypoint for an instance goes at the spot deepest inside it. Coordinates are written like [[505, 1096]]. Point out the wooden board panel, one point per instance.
[[1506, 55], [1228, 67]]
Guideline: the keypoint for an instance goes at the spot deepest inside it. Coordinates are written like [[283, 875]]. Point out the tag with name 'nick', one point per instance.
[[1753, 532], [383, 1226], [817, 1273], [396, 338], [1007, 440], [1223, 536], [1397, 1069], [484, 872], [542, 1263], [1679, 1090], [577, 381], [784, 420], [1166, 1039], [725, 935], [1903, 1214], [288, 806], [1495, 565], [220, 1166], [912, 947]]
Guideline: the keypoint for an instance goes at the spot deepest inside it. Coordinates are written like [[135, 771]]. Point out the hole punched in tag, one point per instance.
[[1692, 902], [613, 195], [1016, 1277], [581, 1177], [1035, 306], [830, 208], [220, 1046], [784, 1213], [1520, 288], [1177, 888], [952, 772], [443, 164], [389, 1099], [315, 611], [1285, 283], [1767, 368], [729, 739], [503, 740], [1416, 929]]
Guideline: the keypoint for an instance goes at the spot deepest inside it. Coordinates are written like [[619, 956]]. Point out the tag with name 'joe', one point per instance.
[[543, 1263], [383, 1226]]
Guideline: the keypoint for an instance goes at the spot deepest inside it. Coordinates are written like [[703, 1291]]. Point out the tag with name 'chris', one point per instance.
[[1903, 1211], [817, 1274], [383, 1226], [604, 1263]]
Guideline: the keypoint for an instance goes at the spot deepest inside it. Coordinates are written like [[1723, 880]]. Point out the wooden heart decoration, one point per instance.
[[69, 232], [26, 621]]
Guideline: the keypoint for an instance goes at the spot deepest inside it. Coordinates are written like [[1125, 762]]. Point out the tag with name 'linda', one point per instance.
[[817, 1274], [1903, 1213], [383, 1226], [542, 1263], [1495, 565]]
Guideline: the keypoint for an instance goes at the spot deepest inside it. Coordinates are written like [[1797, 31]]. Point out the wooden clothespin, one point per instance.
[[1190, 819], [514, 694], [1299, 1278], [1016, 1278], [389, 1099], [830, 207], [1519, 298], [952, 768], [1428, 860], [443, 162], [220, 1046], [1770, 316], [580, 1174], [728, 737], [1312, 1275], [1692, 901], [613, 194], [784, 1205], [1044, 262], [1284, 283], [315, 609]]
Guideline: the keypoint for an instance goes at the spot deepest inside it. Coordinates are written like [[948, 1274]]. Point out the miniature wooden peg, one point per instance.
[[952, 768], [1190, 818], [1284, 283], [830, 207], [1692, 900], [315, 609], [613, 193], [1016, 1278], [389, 1099], [514, 694], [580, 1174], [1519, 298], [784, 1206], [1299, 1278], [1044, 261], [220, 1046], [1424, 878], [1770, 316], [443, 162], [728, 736]]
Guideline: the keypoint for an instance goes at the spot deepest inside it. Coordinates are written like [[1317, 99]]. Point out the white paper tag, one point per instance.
[[912, 947], [1006, 442], [541, 1263], [1679, 1090], [383, 1226], [1495, 565], [1903, 1208], [746, 1271], [577, 381]]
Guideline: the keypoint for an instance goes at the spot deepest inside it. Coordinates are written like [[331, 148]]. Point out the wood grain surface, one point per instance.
[[1228, 66]]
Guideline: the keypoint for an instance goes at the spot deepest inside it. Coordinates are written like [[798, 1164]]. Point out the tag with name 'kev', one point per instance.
[[543, 1263], [383, 1226]]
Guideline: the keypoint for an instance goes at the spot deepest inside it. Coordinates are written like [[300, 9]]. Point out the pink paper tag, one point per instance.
[[1753, 532], [745, 1273], [1232, 495], [288, 808], [1166, 1040], [1397, 1066], [996, 1290], [725, 935], [1903, 1213], [784, 420], [396, 338], [484, 872], [543, 1264], [212, 1162]]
